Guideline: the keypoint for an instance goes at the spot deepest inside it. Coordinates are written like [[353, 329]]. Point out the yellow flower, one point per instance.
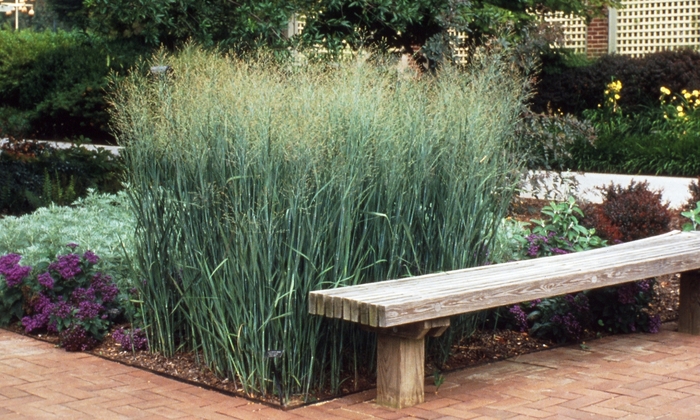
[[665, 91], [617, 96], [687, 95], [696, 93], [697, 102], [681, 114]]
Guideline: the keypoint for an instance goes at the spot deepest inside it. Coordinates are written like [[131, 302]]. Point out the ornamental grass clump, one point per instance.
[[255, 182]]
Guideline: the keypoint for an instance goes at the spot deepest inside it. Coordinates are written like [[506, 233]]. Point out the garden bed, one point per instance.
[[485, 346]]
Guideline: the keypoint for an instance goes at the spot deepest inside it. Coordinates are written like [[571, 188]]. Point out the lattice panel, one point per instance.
[[648, 26], [574, 29], [461, 53], [296, 25]]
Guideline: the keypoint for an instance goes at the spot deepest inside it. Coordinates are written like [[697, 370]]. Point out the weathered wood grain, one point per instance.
[[438, 295], [400, 371], [689, 310]]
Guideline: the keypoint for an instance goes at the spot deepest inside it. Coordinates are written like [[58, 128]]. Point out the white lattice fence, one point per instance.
[[574, 29], [644, 26]]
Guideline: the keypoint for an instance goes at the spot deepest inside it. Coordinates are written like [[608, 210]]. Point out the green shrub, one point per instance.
[[574, 89], [613, 309], [254, 183], [664, 139], [37, 174], [102, 223], [546, 139], [53, 83]]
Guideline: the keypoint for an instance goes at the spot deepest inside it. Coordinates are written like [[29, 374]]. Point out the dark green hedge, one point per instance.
[[33, 175], [573, 89], [52, 85]]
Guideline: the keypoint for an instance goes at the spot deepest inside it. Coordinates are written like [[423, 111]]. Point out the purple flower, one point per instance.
[[75, 338], [559, 251], [520, 317], [91, 257], [654, 324], [15, 275], [104, 285], [131, 339], [42, 307], [81, 294], [644, 285], [62, 309], [570, 324], [45, 280], [626, 294], [72, 245], [8, 262], [68, 266], [88, 310]]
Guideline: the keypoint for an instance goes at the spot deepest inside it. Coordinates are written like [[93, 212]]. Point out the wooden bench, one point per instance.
[[403, 312]]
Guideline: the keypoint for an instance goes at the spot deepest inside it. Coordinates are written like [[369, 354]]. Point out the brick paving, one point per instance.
[[638, 376]]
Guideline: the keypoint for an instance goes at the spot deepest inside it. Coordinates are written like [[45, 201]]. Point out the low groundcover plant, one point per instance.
[[67, 296]]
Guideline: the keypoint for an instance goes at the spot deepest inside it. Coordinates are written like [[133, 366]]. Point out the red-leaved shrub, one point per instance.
[[628, 213]]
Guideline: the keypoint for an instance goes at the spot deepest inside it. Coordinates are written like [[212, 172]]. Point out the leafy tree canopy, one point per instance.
[[406, 23], [242, 24], [230, 23]]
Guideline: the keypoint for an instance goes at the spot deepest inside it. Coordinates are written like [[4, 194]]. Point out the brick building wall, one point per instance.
[[597, 37]]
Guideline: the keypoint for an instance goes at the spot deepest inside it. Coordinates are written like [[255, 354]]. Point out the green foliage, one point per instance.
[[624, 309], [43, 102], [255, 182], [562, 319], [403, 24], [694, 216], [573, 88], [663, 140], [36, 174], [102, 223], [239, 25], [560, 232], [546, 139], [566, 318]]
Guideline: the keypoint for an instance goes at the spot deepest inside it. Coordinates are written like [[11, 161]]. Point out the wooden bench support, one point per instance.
[[401, 361], [689, 311]]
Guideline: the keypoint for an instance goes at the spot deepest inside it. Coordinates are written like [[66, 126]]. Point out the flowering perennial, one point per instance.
[[66, 297]]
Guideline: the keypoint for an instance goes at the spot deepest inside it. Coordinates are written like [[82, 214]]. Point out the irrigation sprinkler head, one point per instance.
[[161, 70], [274, 354]]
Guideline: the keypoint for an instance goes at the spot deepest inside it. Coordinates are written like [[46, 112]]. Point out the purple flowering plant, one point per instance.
[[67, 296], [560, 232], [12, 277], [612, 309], [131, 339]]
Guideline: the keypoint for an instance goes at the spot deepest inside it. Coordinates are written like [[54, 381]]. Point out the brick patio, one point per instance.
[[638, 376]]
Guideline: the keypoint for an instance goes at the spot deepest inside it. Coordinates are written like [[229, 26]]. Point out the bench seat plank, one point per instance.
[[398, 302]]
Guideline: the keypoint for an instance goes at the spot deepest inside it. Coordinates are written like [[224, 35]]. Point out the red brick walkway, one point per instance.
[[638, 376]]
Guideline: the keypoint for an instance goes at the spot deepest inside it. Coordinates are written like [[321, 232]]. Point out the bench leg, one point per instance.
[[400, 371], [401, 361], [689, 311]]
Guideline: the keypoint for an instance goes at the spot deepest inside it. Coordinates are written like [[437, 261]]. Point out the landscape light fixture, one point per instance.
[[17, 7]]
